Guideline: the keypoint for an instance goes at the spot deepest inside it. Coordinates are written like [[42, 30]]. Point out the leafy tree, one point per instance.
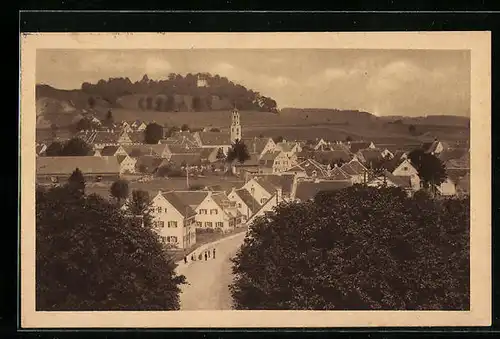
[[431, 169], [76, 181], [120, 266], [238, 151], [109, 119], [119, 190], [184, 127], [139, 205], [75, 147], [377, 250], [153, 133], [91, 101], [278, 139], [220, 156], [85, 124], [54, 149]]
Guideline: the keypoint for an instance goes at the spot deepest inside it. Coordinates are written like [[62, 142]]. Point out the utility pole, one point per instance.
[[187, 176]]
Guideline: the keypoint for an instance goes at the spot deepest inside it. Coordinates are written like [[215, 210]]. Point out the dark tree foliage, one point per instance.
[[104, 262], [119, 190], [278, 139], [76, 181], [220, 156], [54, 149], [431, 169], [214, 129], [184, 127], [377, 249], [109, 119], [153, 133], [139, 206], [75, 147], [177, 84], [348, 139], [238, 152], [85, 124]]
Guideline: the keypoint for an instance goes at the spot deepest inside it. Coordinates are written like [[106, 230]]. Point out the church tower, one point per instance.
[[235, 126]]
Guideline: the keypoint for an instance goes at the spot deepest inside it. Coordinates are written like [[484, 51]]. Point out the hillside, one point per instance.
[[438, 120]]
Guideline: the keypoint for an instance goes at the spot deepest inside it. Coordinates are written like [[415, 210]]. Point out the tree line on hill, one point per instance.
[[168, 94]]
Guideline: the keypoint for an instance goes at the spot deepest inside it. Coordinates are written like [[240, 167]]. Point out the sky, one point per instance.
[[382, 82]]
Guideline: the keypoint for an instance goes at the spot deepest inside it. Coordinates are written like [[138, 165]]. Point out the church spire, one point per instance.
[[235, 125]]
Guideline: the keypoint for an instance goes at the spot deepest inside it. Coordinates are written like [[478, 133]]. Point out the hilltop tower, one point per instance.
[[235, 125]]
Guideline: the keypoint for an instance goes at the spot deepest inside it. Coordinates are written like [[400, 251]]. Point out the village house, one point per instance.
[[407, 170], [259, 146], [355, 146], [170, 150], [250, 166], [309, 169], [320, 145], [388, 179], [40, 149], [275, 162], [213, 209], [336, 173], [435, 147], [246, 204], [173, 220], [209, 155], [260, 189], [127, 164], [213, 139], [94, 169], [386, 154], [369, 156], [283, 182], [139, 150], [332, 156], [289, 148], [147, 164], [125, 126], [307, 189], [273, 201], [110, 151]]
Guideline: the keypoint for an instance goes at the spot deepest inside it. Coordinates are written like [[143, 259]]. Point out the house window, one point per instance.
[[199, 224], [165, 210], [173, 239], [405, 168], [213, 211], [163, 239], [239, 205], [203, 211], [159, 209], [219, 224], [172, 224], [263, 200], [160, 224], [208, 224]]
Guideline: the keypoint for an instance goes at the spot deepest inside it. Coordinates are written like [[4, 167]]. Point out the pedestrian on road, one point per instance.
[[214, 254], [206, 256], [185, 260], [208, 253], [192, 257], [199, 256]]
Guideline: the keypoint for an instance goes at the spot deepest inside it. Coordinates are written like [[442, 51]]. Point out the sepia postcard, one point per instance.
[[244, 180]]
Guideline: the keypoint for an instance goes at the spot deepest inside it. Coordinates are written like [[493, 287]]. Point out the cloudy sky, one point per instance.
[[383, 82]]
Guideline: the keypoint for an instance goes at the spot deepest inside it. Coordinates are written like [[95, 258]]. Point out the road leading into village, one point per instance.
[[208, 281]]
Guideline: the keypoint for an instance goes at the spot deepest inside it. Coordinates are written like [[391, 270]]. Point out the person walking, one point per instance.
[[199, 256], [208, 253], [185, 259], [214, 254], [206, 256], [192, 257]]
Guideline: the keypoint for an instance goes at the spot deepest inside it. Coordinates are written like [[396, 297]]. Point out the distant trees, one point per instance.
[[85, 124], [227, 93], [431, 169], [389, 252], [109, 121], [139, 207], [73, 147], [122, 267], [185, 127], [153, 133], [278, 139], [238, 152], [119, 190], [220, 156]]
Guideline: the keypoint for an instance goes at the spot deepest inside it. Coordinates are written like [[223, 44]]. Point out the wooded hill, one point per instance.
[[176, 93]]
